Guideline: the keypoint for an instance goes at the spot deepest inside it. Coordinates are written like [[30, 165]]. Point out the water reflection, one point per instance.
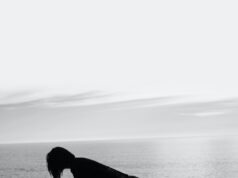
[[197, 157]]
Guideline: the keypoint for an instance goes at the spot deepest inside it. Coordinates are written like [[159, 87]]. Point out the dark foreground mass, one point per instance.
[[86, 168], [59, 159]]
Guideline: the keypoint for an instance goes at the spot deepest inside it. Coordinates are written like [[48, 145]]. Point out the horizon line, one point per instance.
[[121, 139]]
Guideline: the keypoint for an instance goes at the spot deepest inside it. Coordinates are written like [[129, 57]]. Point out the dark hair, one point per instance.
[[57, 160]]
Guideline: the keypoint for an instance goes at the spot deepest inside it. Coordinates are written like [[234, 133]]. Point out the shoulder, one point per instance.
[[85, 162], [85, 166]]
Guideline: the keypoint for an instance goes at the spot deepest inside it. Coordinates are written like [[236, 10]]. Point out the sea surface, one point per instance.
[[214, 157]]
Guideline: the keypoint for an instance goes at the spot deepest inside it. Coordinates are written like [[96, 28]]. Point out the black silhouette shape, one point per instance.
[[59, 159]]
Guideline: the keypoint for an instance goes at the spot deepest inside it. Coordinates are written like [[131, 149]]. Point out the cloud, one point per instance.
[[25, 99], [34, 99], [99, 99], [205, 113]]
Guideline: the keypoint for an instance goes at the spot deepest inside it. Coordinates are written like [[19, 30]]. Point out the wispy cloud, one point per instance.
[[114, 100], [206, 113], [34, 99], [208, 109]]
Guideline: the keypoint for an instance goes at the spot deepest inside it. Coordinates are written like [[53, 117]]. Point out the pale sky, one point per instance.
[[139, 49]]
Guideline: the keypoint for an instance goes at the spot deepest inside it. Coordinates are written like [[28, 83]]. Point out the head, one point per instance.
[[58, 159]]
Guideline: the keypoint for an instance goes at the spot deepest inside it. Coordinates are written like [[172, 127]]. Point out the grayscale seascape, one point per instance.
[[194, 157], [118, 89]]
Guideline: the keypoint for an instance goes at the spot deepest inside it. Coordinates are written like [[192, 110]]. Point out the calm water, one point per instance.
[[162, 158]]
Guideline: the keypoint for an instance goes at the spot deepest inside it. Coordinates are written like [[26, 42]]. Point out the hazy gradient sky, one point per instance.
[[155, 47], [56, 52]]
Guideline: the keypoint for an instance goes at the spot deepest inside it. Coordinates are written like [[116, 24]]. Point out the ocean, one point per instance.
[[194, 157]]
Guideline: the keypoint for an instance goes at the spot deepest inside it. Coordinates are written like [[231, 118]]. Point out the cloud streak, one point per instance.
[[30, 99], [116, 101], [26, 99]]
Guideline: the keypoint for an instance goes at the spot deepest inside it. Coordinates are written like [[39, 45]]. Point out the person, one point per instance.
[[59, 159]]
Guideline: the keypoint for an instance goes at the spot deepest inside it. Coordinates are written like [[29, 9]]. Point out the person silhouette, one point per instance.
[[59, 159]]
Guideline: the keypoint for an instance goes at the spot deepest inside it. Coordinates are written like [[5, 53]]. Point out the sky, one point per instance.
[[69, 54]]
